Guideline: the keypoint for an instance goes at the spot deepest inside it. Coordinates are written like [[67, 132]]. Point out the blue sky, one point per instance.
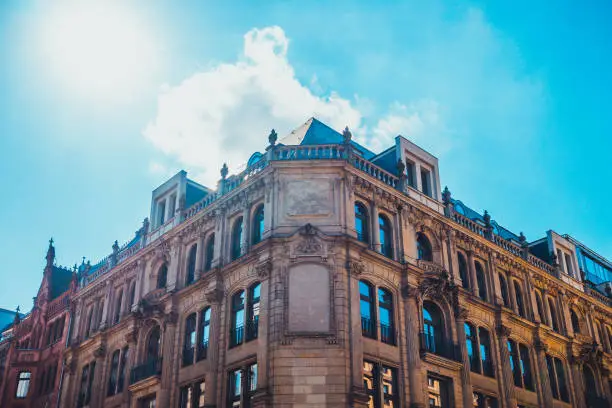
[[512, 98]]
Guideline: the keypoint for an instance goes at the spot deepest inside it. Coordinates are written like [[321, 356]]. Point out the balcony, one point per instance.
[[252, 329], [202, 350], [151, 368], [188, 353], [236, 336], [443, 349], [387, 334], [368, 329]]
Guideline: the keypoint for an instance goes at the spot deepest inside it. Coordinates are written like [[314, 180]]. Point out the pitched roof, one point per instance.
[[6, 318], [60, 281], [463, 209]]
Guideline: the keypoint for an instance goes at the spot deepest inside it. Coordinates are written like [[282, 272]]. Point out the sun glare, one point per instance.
[[100, 49]]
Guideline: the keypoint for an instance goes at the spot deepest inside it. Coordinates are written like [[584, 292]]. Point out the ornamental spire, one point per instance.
[[50, 254]]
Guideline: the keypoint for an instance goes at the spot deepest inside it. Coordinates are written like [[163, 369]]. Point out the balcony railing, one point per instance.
[[236, 336], [252, 329], [151, 368], [368, 329], [202, 351], [188, 353], [387, 334], [444, 349]]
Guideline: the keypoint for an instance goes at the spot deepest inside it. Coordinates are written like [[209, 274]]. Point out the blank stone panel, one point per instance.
[[309, 303]]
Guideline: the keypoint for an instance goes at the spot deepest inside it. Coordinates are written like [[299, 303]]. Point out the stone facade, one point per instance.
[[308, 304]]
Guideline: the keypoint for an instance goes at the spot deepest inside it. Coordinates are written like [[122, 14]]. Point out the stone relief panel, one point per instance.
[[309, 299], [308, 198]]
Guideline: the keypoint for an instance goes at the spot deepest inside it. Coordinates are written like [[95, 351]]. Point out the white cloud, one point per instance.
[[223, 114]]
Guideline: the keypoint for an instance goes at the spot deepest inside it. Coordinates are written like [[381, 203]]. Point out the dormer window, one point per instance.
[[426, 182], [161, 211], [410, 173]]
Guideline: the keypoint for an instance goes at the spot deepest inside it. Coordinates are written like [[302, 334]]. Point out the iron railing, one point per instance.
[[151, 368]]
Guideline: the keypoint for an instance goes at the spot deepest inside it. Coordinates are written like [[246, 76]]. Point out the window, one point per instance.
[[162, 212], [540, 307], [503, 284], [362, 223], [118, 307], [560, 260], [485, 352], [380, 382], [237, 324], [463, 271], [210, 252], [23, 384], [240, 392], [237, 239], [132, 294], [483, 400], [191, 264], [193, 395], [426, 182], [520, 306], [556, 375], [89, 328], [590, 389], [87, 378], [162, 276], [122, 369], [154, 344], [482, 283], [204, 333], [366, 305], [438, 394], [385, 316], [568, 265], [424, 248], [258, 224], [190, 339], [433, 328], [575, 321], [520, 365], [386, 247], [114, 371], [147, 402], [471, 343], [253, 312], [478, 344], [410, 170], [553, 314]]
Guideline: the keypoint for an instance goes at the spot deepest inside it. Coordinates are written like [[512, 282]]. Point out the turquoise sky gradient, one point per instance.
[[513, 98]]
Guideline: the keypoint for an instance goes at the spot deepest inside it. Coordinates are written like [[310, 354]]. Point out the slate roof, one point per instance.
[[7, 317], [60, 281], [503, 232]]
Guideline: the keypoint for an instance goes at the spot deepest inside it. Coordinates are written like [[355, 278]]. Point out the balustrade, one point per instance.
[[151, 368]]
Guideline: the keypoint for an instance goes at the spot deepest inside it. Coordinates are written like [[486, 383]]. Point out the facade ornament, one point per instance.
[[264, 269], [401, 167], [224, 171], [356, 268], [272, 138], [440, 288], [503, 331], [171, 318], [100, 351], [347, 135], [409, 291], [446, 196], [214, 295], [462, 313], [131, 336], [540, 345], [309, 244]]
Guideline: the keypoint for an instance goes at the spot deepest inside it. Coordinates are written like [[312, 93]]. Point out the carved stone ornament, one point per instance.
[[171, 318], [440, 287], [589, 353], [309, 244], [214, 295], [540, 345], [356, 268], [100, 351], [263, 270], [503, 331], [410, 292], [131, 336], [462, 313]]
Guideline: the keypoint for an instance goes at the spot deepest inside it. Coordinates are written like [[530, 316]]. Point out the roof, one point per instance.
[[314, 132], [60, 281], [463, 209], [7, 317]]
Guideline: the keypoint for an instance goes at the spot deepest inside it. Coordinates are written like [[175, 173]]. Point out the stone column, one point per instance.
[[140, 276], [413, 345], [246, 230], [472, 271], [508, 379], [374, 227], [107, 305], [176, 250], [165, 386], [512, 292], [575, 367], [466, 379], [200, 255], [545, 397], [531, 295], [214, 296]]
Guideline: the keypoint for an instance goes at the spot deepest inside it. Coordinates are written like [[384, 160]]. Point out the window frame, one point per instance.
[[22, 388], [258, 224], [385, 235], [364, 220], [236, 242], [190, 270]]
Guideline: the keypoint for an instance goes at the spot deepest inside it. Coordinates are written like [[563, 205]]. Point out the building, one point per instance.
[[326, 275], [32, 346]]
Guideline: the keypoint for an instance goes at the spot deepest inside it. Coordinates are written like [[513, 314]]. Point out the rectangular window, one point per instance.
[[161, 209], [242, 386], [192, 395], [426, 182], [438, 392], [483, 401], [560, 260], [568, 265], [147, 402], [410, 171], [172, 206], [23, 384], [380, 382]]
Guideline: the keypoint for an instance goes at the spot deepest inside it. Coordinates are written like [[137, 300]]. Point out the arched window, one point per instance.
[[191, 264], [253, 311], [463, 271], [258, 224], [471, 343], [362, 223], [237, 239], [118, 307], [23, 384], [602, 341], [485, 352], [482, 283], [553, 314], [154, 344], [190, 339], [433, 327], [132, 294], [112, 378], [237, 320], [204, 333], [424, 248], [520, 305], [503, 285], [162, 276], [385, 316], [575, 321], [366, 305], [590, 388], [210, 252], [540, 307], [386, 237], [520, 364]]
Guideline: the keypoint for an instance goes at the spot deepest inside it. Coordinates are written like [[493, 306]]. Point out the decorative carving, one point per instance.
[[462, 313], [171, 318], [356, 268], [431, 267], [503, 331], [214, 295], [131, 336], [309, 244], [264, 269], [100, 351], [540, 345]]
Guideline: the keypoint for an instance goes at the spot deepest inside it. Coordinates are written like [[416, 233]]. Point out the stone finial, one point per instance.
[[272, 137], [145, 225], [17, 318], [224, 171], [400, 167], [50, 253], [446, 196], [115, 247], [522, 239], [487, 218], [347, 135]]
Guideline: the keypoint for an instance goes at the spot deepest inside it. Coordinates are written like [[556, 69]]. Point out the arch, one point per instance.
[[520, 303], [424, 251], [575, 321], [590, 385], [257, 226], [362, 222], [118, 304], [540, 306], [237, 318], [463, 271], [434, 329], [471, 343], [503, 285], [162, 276], [385, 236], [236, 242], [210, 252], [553, 314], [366, 306], [385, 316], [253, 306], [153, 345], [189, 341], [480, 278], [191, 264]]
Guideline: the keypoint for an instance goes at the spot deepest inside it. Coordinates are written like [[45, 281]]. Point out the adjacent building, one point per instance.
[[327, 275]]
